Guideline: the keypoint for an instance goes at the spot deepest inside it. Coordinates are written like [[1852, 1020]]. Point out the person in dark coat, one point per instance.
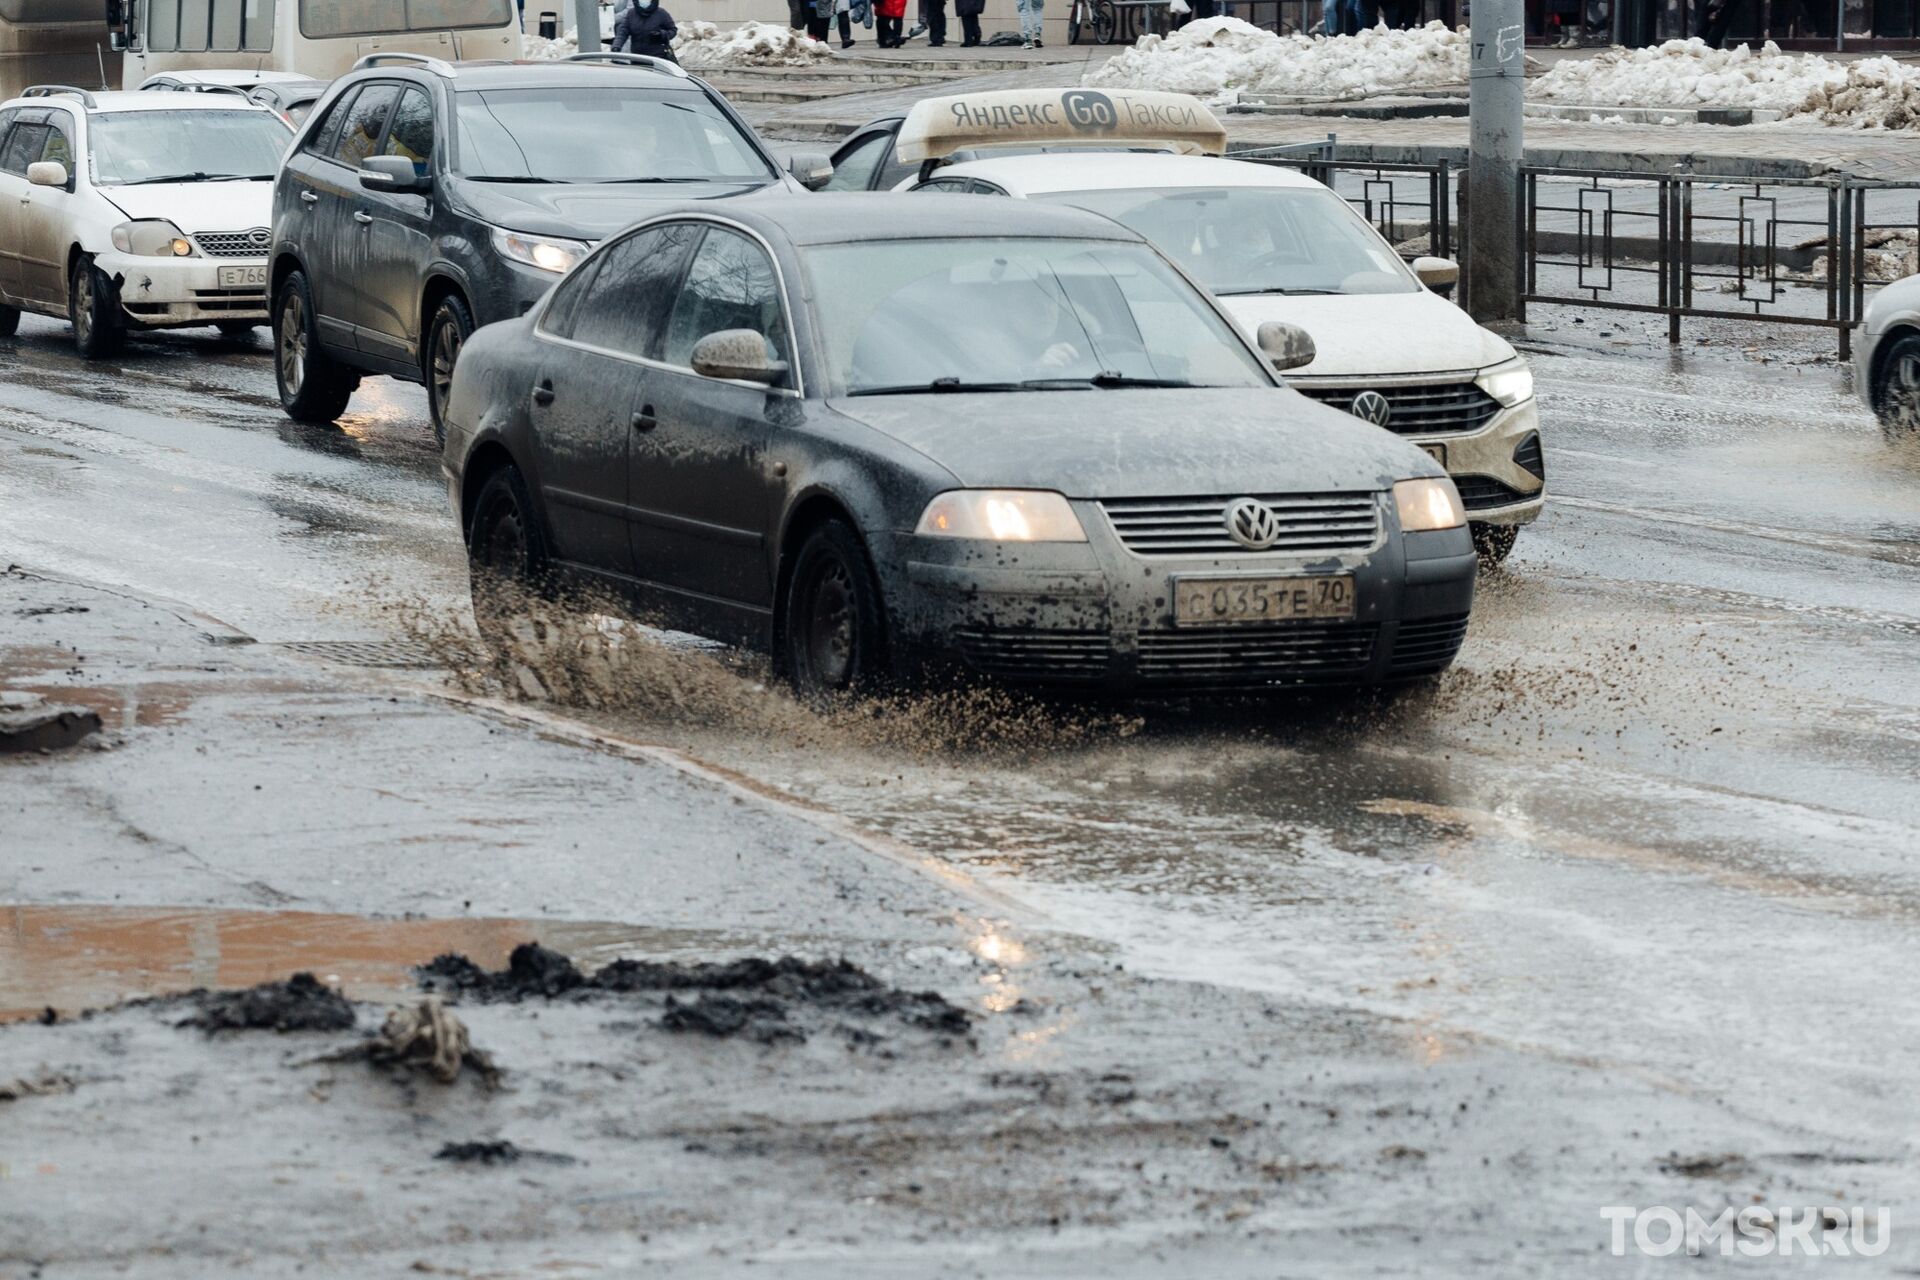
[[646, 28], [933, 16], [969, 11]]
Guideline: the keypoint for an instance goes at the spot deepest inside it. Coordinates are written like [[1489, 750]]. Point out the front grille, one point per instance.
[[1428, 645], [1310, 524], [1483, 493], [1291, 653], [234, 244], [1034, 655], [1430, 409]]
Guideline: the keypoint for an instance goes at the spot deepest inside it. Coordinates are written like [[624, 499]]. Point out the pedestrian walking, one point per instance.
[[890, 15], [645, 28], [1030, 22], [969, 11]]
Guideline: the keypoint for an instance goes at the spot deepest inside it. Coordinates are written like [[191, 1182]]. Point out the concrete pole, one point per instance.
[[586, 19], [1497, 78]]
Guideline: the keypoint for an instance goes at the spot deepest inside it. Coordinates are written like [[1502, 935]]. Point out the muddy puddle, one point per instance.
[[84, 957]]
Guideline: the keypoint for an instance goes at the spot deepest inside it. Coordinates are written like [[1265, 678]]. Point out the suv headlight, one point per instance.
[[152, 238], [540, 252], [1001, 515], [1428, 505], [1510, 382]]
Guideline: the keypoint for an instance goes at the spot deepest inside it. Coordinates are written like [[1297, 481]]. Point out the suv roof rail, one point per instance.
[[666, 66], [49, 90], [439, 66]]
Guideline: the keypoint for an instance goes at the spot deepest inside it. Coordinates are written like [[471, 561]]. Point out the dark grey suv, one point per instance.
[[423, 199]]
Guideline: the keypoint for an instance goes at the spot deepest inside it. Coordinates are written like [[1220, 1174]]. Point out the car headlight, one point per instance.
[[557, 256], [1510, 383], [1001, 515], [1427, 505], [152, 238]]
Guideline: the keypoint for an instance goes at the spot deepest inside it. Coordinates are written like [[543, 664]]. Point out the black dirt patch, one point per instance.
[[755, 996], [498, 1151], [301, 1003]]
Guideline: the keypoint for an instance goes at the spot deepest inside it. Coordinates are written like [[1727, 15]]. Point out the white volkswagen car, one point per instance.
[[123, 211], [1272, 244]]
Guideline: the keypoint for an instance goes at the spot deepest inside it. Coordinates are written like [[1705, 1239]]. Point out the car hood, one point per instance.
[[584, 211], [199, 206], [1376, 333], [1139, 443]]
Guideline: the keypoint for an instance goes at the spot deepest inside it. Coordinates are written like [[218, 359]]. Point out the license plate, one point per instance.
[[243, 277], [1213, 602], [1438, 452]]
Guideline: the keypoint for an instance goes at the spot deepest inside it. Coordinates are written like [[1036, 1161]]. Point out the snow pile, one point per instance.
[[753, 44], [1876, 93], [1216, 57], [1690, 73], [539, 50]]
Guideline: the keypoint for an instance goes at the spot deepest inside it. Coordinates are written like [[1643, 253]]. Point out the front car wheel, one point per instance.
[[506, 553], [1896, 391], [446, 334], [312, 387], [835, 633], [93, 305]]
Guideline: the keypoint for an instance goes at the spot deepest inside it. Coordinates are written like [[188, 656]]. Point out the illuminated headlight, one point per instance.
[[1427, 505], [1510, 383], [557, 256], [1001, 515], [152, 238]]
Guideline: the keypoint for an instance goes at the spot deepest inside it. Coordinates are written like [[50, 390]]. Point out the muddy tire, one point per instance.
[[834, 641], [93, 306], [1896, 388], [9, 321], [312, 387], [1493, 542], [507, 562], [446, 334]]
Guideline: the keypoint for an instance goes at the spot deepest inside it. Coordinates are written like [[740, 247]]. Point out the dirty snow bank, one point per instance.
[[1215, 57], [753, 44], [1688, 73]]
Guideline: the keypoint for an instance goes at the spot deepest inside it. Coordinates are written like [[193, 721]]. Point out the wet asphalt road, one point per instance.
[[1661, 822]]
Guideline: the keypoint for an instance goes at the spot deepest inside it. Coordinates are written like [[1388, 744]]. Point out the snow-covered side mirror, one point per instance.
[[813, 171], [1438, 274], [47, 173], [1288, 346]]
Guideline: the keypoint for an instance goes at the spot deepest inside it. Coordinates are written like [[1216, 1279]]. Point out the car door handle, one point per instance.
[[362, 217], [543, 394], [644, 420], [308, 197]]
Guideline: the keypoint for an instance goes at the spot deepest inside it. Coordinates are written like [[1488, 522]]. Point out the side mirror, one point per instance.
[[47, 173], [1288, 346], [392, 173], [739, 355], [813, 170], [1438, 274]]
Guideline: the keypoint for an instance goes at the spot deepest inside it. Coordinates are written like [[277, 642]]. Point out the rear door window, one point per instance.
[[624, 306]]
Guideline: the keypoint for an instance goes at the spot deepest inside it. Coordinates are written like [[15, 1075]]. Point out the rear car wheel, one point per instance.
[[446, 335], [93, 305], [1896, 392], [835, 640], [9, 320], [506, 552], [312, 387], [1493, 542]]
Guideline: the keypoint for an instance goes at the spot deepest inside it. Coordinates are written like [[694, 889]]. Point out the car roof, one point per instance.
[[113, 100], [1109, 171], [857, 217], [530, 74]]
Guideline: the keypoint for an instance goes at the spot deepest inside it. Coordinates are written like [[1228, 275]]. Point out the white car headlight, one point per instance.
[[542, 252], [1428, 505], [1510, 383], [152, 238], [1001, 515]]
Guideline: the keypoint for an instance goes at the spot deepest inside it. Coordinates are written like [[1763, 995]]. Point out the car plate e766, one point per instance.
[[243, 277], [1214, 602]]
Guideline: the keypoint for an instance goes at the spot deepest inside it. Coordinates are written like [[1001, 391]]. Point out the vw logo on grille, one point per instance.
[[1371, 406], [1252, 524]]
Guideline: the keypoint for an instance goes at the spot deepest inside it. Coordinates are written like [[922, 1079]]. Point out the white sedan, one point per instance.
[[1886, 357], [123, 211]]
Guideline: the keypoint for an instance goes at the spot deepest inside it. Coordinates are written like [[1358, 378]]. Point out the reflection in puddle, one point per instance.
[[83, 957]]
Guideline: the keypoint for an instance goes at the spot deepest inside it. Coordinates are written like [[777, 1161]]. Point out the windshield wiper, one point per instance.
[[614, 182], [196, 177], [509, 177], [1113, 378], [939, 385], [1241, 293]]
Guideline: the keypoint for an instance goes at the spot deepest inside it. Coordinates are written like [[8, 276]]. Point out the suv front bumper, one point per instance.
[[163, 293]]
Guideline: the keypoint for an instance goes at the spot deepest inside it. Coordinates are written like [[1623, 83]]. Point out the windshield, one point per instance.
[[1257, 239], [162, 146], [602, 135], [1010, 314]]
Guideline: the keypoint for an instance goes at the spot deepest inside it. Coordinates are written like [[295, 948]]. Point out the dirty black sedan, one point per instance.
[[875, 437]]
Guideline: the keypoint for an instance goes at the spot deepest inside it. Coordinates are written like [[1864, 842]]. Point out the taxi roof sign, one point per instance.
[[937, 127]]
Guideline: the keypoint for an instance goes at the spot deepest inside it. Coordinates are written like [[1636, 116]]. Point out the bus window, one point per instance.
[[322, 18], [163, 26], [258, 30], [195, 17], [226, 26]]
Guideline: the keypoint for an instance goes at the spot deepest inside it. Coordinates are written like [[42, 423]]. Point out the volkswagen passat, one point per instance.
[[874, 435]]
